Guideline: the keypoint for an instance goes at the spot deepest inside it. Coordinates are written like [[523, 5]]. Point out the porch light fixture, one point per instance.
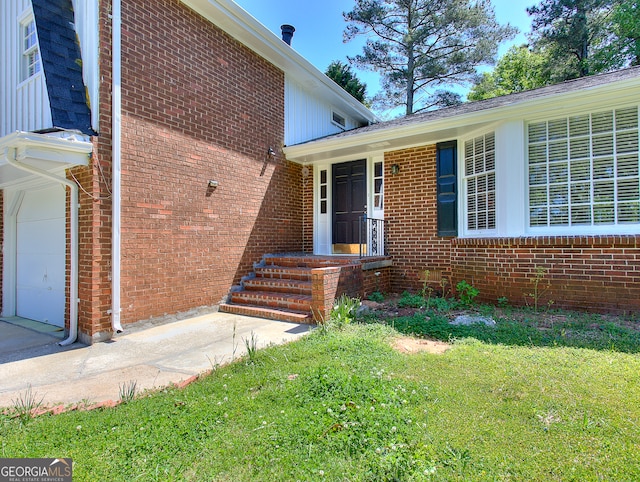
[[213, 184], [271, 154], [395, 169]]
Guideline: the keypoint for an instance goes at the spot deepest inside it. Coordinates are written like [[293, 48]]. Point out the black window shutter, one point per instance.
[[446, 163]]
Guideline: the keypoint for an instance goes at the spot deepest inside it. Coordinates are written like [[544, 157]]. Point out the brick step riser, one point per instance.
[[271, 301], [302, 263], [269, 314], [283, 273], [265, 284]]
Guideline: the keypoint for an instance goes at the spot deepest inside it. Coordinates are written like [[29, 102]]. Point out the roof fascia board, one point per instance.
[[589, 98], [238, 23], [25, 140]]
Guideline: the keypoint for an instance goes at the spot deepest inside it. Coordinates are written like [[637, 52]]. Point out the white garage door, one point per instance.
[[40, 277]]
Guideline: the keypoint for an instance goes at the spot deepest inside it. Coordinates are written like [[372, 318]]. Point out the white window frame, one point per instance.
[[488, 159], [342, 125], [30, 61], [596, 162]]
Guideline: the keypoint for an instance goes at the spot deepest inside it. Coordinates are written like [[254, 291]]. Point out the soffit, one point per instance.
[[44, 152]]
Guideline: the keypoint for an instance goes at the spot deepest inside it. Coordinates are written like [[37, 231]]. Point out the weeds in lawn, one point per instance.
[[410, 300], [445, 287], [427, 290], [26, 404], [344, 405], [251, 345], [343, 312], [128, 391], [467, 293], [538, 289], [376, 296], [234, 343]]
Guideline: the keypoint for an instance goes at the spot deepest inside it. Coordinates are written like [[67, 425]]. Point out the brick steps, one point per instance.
[[280, 287], [279, 290], [283, 273]]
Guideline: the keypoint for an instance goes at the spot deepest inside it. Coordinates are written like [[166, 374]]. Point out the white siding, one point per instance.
[[24, 105], [308, 117]]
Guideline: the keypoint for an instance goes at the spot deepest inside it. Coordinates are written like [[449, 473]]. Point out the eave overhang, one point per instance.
[[454, 122], [49, 152]]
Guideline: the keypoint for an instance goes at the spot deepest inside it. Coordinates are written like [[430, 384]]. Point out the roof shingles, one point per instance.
[[62, 65], [468, 107]]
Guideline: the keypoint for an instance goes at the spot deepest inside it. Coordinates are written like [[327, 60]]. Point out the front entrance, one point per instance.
[[40, 256], [349, 203]]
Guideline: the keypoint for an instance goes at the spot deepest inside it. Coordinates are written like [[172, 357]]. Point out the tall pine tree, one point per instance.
[[420, 47]]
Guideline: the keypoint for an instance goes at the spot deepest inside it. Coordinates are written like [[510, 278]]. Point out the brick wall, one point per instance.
[[410, 211], [600, 273], [196, 105], [94, 212], [354, 278], [375, 279], [94, 256]]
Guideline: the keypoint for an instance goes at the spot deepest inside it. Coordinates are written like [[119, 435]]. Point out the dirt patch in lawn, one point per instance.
[[410, 345]]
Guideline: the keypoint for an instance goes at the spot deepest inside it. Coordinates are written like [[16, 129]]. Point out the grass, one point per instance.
[[342, 405], [523, 327]]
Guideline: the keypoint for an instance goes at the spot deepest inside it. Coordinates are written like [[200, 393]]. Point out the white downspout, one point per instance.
[[116, 160], [73, 282]]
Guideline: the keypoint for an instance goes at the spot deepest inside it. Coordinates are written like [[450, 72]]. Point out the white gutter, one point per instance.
[[73, 282], [116, 159]]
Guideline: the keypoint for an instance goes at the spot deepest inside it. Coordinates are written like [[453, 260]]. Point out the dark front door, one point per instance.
[[349, 200]]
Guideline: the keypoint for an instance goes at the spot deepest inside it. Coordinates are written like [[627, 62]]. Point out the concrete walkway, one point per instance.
[[151, 357]]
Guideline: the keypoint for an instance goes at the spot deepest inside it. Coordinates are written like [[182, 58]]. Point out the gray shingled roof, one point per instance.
[[511, 99], [62, 65]]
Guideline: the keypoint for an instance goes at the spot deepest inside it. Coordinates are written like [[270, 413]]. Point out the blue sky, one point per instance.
[[319, 27]]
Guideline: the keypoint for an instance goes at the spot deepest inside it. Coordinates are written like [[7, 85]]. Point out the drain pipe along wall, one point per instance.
[[116, 159]]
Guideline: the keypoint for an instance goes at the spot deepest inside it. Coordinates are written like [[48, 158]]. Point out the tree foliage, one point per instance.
[[421, 47], [572, 31], [570, 39], [342, 75], [624, 48], [518, 70], [626, 19]]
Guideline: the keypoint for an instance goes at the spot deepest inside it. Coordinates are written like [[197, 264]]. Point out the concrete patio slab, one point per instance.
[[153, 357]]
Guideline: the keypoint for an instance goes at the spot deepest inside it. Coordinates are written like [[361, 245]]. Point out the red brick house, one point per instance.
[[495, 192], [141, 160], [155, 156]]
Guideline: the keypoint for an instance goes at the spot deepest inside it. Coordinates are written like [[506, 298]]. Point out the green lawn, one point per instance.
[[342, 405]]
